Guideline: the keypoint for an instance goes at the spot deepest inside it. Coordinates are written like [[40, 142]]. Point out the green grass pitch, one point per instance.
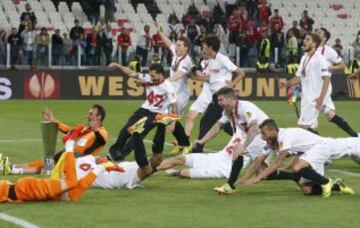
[[172, 202]]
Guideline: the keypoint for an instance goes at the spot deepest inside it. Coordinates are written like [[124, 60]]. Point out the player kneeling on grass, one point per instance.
[[89, 139], [313, 152], [66, 188]]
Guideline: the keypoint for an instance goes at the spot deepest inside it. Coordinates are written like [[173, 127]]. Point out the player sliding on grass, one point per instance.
[[209, 165], [244, 115], [89, 140], [313, 152], [159, 109], [67, 188]]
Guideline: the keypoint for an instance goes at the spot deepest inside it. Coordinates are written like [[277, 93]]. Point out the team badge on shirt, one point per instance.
[[249, 114]]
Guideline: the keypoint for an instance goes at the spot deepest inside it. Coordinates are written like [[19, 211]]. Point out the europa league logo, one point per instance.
[[42, 85]]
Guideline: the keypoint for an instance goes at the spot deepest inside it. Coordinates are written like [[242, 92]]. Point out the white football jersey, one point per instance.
[[311, 70], [128, 179], [245, 113], [183, 64], [296, 140], [158, 97], [205, 70], [220, 72], [330, 55]]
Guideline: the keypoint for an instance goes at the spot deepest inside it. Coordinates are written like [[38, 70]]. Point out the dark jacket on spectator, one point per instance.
[[75, 32]]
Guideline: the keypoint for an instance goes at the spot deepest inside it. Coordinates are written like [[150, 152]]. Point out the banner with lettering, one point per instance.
[[104, 84]]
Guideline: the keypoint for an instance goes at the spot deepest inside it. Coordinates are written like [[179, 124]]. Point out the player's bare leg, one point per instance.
[[172, 162], [189, 124]]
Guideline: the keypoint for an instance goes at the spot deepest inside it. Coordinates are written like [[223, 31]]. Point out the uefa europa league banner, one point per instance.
[[105, 84]]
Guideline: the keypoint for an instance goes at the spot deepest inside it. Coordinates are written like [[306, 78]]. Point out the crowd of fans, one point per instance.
[[251, 25]]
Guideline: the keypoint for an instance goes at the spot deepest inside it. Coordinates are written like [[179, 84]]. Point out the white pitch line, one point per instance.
[[17, 221], [345, 172]]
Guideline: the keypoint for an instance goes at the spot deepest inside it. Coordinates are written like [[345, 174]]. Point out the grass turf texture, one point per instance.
[[173, 202]]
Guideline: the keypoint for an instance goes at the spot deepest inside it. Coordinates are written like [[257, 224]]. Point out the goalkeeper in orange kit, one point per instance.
[[88, 140], [65, 188]]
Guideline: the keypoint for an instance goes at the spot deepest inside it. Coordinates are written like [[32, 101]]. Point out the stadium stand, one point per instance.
[[340, 17]]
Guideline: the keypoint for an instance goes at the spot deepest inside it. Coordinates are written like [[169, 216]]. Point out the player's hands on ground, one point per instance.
[[252, 180], [48, 115], [198, 141]]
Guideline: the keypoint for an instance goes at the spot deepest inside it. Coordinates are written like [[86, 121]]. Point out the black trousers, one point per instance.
[[211, 116], [125, 142]]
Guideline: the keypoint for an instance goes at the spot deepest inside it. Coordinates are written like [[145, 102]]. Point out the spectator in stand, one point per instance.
[[207, 21], [277, 41], [294, 29], [94, 11], [144, 45], [291, 49], [200, 39], [276, 19], [28, 12], [57, 48], [76, 31], [106, 40], [124, 42], [264, 12], [158, 45], [192, 31], [42, 47], [83, 47], [3, 43], [252, 8], [263, 29], [66, 50], [247, 41], [15, 42], [24, 23], [263, 53], [230, 6], [233, 26], [306, 22], [356, 45], [338, 47], [109, 10], [219, 15], [28, 36], [93, 47], [173, 26]]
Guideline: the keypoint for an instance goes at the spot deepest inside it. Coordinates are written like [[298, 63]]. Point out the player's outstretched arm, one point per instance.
[[214, 131], [239, 75], [125, 70], [272, 168], [167, 41], [289, 83], [337, 67], [253, 169], [197, 75]]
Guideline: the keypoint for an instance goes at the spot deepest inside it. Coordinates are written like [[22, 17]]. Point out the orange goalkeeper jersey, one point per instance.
[[89, 141]]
